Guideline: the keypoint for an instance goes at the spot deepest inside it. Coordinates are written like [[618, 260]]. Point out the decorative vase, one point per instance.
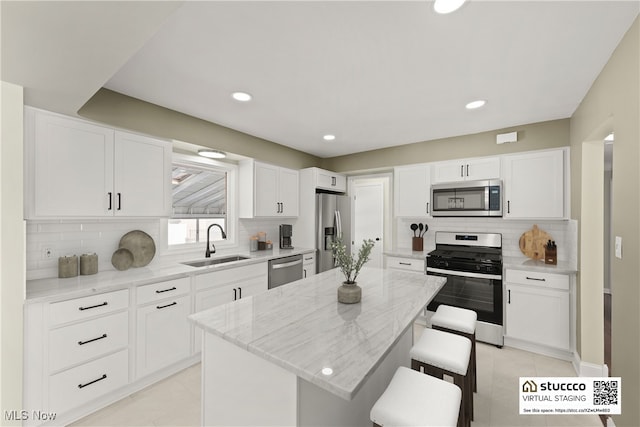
[[349, 293]]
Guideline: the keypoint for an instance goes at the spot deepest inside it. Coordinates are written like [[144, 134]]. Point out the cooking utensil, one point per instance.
[[420, 228], [414, 227], [426, 227], [532, 242]]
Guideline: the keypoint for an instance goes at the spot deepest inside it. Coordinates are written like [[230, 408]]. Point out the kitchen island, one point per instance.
[[295, 356]]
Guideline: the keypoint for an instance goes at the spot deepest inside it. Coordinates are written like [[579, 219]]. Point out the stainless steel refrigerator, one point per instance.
[[333, 218]]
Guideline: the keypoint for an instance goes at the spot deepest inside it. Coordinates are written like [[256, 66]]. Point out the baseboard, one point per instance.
[[587, 369], [540, 349]]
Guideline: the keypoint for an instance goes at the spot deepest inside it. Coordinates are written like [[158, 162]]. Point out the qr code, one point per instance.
[[605, 392]]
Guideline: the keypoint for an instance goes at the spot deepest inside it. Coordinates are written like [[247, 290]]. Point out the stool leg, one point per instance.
[[472, 337]]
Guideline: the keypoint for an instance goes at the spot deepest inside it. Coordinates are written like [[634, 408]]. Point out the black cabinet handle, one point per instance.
[[92, 340], [535, 278], [166, 290], [333, 181], [462, 171], [119, 201], [404, 263], [467, 170], [427, 207], [110, 196], [509, 297], [93, 306], [239, 293], [103, 377], [508, 206], [235, 294], [304, 273], [160, 307]]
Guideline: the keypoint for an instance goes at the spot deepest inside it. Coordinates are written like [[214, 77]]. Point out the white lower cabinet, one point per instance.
[[163, 332], [76, 351], [76, 386], [308, 265], [406, 264], [220, 287], [538, 310]]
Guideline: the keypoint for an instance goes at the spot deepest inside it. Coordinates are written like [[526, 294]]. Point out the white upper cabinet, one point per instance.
[[267, 190], [466, 170], [411, 187], [142, 174], [535, 184], [327, 180], [78, 169]]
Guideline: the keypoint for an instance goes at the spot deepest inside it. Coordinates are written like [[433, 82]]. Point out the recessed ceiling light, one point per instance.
[[329, 137], [475, 104], [447, 6], [241, 96], [212, 154]]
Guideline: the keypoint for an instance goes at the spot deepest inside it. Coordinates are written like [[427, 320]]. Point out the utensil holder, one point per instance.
[[551, 256], [417, 244]]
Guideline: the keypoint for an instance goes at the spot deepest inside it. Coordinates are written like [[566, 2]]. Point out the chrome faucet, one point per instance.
[[224, 236]]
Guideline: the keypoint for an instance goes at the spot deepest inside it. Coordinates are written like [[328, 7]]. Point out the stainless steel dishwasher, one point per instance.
[[284, 270]]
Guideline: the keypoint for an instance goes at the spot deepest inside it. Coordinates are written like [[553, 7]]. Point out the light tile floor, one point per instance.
[[176, 400]]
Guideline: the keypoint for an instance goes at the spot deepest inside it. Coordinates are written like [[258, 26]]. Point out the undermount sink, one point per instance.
[[214, 261]]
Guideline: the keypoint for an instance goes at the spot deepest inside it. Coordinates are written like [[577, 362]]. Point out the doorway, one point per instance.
[[370, 213]]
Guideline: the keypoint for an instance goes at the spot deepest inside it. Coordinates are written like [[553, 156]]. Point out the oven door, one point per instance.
[[481, 293]]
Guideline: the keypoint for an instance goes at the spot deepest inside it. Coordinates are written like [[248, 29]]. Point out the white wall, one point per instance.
[[12, 280]]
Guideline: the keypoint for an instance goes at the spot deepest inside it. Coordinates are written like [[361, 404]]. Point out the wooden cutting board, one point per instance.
[[532, 242]]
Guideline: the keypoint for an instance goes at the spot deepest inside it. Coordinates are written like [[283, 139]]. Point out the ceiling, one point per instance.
[[374, 74]]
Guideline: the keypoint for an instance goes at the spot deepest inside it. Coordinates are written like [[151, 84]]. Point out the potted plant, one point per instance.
[[350, 266]]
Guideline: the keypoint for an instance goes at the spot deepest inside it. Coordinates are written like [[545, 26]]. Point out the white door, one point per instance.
[[368, 208]]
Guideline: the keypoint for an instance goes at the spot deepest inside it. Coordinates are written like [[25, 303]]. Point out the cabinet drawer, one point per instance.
[[74, 387], [232, 275], [409, 264], [535, 278], [83, 341], [162, 290], [83, 308]]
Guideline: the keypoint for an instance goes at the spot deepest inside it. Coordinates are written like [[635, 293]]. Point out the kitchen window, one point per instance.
[[202, 194]]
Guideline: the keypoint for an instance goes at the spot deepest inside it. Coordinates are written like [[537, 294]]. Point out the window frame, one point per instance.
[[231, 230]]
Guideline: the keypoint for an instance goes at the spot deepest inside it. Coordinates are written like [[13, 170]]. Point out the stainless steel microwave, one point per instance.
[[467, 198]]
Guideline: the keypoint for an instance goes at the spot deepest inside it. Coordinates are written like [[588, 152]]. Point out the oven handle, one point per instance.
[[464, 274]]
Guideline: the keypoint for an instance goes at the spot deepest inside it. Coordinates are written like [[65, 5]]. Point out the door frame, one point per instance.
[[386, 178]]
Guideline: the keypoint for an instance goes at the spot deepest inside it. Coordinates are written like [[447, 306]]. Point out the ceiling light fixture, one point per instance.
[[447, 6], [329, 137], [241, 96], [212, 154], [475, 104]]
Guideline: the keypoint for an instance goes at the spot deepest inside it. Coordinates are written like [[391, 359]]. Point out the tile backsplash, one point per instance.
[[69, 237], [565, 233]]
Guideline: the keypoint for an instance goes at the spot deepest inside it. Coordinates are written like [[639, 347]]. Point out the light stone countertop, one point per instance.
[[302, 328], [563, 267], [407, 253], [53, 289]]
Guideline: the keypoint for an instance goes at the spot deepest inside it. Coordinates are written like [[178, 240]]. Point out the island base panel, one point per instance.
[[242, 389], [318, 407]]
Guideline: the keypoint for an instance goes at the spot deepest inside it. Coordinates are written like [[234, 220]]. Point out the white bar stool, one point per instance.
[[415, 399], [462, 322], [440, 353]]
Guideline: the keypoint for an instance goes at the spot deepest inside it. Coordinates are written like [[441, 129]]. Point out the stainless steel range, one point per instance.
[[472, 264]]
